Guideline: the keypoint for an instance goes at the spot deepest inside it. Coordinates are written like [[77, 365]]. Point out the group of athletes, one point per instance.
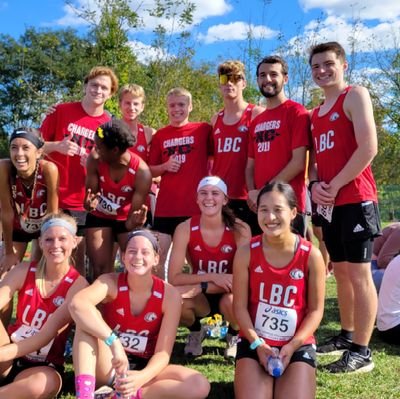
[[229, 195]]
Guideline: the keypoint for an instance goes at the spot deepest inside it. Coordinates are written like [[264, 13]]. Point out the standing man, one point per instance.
[[69, 133], [343, 187], [279, 138], [230, 138]]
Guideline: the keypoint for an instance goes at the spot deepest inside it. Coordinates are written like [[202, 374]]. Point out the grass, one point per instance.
[[381, 383]]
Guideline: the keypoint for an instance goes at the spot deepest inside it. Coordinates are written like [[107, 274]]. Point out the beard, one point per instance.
[[271, 93]]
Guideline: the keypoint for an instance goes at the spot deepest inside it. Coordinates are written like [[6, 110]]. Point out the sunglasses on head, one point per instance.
[[229, 77]]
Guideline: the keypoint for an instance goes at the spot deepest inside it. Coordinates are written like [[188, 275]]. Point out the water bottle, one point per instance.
[[118, 395], [274, 365]]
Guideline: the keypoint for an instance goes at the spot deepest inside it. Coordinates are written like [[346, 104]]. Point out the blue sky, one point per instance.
[[221, 26]]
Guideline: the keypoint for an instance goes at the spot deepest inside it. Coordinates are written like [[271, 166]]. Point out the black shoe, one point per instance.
[[351, 362], [334, 346]]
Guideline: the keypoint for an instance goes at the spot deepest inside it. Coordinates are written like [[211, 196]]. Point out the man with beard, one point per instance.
[[279, 138]]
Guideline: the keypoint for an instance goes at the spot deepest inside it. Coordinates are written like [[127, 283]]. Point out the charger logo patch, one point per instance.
[[58, 301], [226, 249], [149, 317], [296, 274], [334, 117]]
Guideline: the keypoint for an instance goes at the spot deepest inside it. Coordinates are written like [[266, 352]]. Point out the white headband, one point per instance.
[[213, 181]]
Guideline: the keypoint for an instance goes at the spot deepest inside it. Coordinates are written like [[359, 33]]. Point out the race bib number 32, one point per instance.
[[275, 322], [133, 343]]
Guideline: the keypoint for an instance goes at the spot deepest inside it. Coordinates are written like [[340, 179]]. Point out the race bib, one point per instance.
[[30, 225], [106, 206], [325, 211], [133, 343], [275, 322], [24, 332]]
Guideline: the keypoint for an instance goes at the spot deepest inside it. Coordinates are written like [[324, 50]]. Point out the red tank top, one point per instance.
[[206, 259], [33, 311], [141, 147], [230, 152], [278, 297], [29, 207], [116, 198], [334, 143], [138, 334]]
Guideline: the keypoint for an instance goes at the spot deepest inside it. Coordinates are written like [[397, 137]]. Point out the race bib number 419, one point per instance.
[[275, 322]]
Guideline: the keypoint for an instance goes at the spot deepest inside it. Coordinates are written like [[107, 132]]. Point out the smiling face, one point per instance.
[[57, 244], [179, 108], [98, 90], [131, 107], [211, 200], [24, 155], [274, 214], [139, 257], [271, 79], [328, 69]]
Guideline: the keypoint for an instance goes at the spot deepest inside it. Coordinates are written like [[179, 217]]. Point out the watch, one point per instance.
[[204, 286]]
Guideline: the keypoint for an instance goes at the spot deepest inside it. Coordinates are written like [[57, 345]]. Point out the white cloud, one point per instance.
[[146, 53], [204, 9], [383, 36], [383, 10], [236, 31]]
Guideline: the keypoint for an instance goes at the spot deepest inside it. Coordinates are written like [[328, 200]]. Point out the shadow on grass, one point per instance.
[[221, 390]]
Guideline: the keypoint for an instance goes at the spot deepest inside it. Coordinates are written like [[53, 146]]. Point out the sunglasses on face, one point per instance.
[[230, 77]]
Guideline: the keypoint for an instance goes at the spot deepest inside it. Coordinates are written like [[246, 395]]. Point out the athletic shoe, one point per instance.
[[351, 362], [334, 346], [231, 346], [193, 344]]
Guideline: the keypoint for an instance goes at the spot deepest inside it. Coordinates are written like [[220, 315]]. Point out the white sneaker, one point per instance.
[[231, 346], [104, 392], [193, 344]]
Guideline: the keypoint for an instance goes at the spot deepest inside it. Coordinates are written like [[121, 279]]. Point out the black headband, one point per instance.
[[148, 235], [36, 141]]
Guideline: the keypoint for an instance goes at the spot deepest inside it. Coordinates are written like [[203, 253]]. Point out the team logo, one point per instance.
[[132, 171], [149, 317], [141, 148], [296, 274], [334, 117], [126, 189], [19, 194], [197, 248], [102, 179], [243, 129], [121, 311], [226, 249], [29, 292], [58, 301], [217, 131], [40, 193], [258, 269]]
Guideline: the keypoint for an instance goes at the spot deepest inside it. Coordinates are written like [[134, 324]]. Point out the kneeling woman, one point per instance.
[[131, 341], [31, 358], [278, 291]]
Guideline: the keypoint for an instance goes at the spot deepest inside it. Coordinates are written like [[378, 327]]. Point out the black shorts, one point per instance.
[[117, 226], [23, 236], [80, 217], [243, 212], [306, 353], [349, 237], [213, 301], [168, 225], [22, 364]]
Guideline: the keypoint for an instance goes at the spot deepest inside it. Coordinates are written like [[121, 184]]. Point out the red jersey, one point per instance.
[[190, 144], [278, 296], [230, 152], [274, 134], [334, 142], [33, 311], [138, 334], [71, 118], [206, 259], [141, 147], [116, 197], [29, 207]]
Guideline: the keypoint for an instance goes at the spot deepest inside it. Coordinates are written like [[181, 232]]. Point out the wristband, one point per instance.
[[312, 182], [108, 341], [204, 286], [256, 343]]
